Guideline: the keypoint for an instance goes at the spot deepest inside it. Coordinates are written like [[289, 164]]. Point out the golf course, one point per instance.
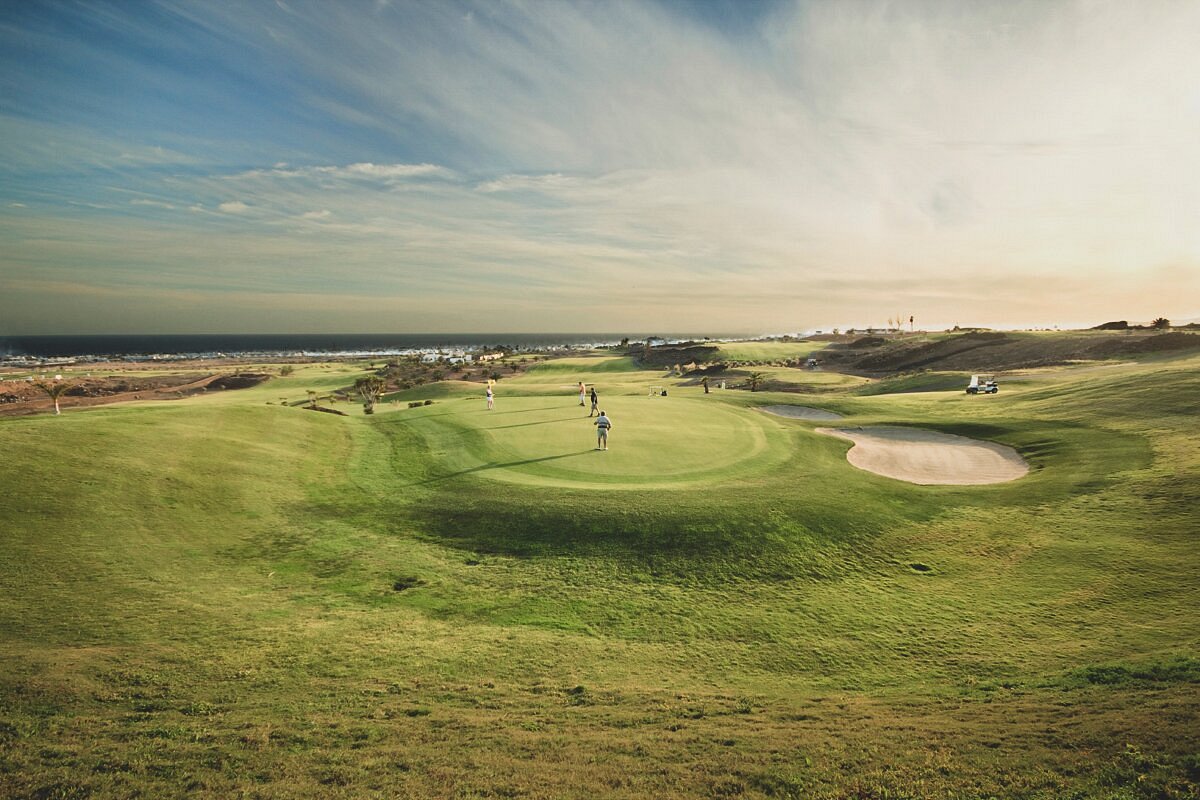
[[227, 595]]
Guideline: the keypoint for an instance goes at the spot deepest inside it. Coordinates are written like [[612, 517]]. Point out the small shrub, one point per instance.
[[407, 582]]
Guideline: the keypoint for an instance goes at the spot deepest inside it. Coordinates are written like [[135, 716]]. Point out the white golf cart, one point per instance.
[[982, 384]]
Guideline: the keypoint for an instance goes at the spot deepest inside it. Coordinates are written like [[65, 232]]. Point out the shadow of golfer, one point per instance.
[[524, 410], [497, 465], [527, 424]]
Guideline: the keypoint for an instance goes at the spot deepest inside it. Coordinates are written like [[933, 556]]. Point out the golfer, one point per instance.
[[603, 426], [582, 392], [491, 397], [595, 403]]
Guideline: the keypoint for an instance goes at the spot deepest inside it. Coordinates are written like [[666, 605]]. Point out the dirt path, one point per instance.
[[929, 457]]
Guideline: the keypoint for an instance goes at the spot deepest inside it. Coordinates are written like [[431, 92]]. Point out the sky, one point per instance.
[[728, 166]]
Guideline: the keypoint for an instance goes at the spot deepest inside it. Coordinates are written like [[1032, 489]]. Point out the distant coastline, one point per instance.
[[178, 346]]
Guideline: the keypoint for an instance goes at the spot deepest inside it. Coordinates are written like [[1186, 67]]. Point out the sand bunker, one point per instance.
[[928, 457], [799, 412]]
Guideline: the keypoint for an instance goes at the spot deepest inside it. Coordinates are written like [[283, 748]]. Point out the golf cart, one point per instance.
[[982, 384]]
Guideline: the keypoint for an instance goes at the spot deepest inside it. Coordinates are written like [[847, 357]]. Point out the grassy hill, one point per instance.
[[765, 352], [985, 351], [230, 595]]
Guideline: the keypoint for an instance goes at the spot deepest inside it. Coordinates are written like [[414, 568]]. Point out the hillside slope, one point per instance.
[[219, 597], [995, 351]]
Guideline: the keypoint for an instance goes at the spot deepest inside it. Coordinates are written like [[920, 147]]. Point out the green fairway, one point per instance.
[[232, 596], [768, 351], [584, 366], [812, 380], [655, 441]]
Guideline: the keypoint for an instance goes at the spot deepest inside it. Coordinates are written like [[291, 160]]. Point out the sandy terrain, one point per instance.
[[928, 457], [21, 397], [800, 412]]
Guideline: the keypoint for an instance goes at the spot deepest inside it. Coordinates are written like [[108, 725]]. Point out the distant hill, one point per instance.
[[993, 351], [968, 351]]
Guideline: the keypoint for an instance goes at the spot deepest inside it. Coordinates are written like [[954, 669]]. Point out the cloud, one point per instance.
[[519, 183], [389, 170], [367, 170], [790, 169], [30, 145], [141, 201]]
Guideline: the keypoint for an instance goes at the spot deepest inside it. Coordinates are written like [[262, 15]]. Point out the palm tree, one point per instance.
[[1162, 323], [54, 390], [755, 379]]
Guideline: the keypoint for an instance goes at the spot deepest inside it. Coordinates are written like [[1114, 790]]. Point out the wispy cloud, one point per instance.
[[472, 154], [390, 170], [141, 201], [384, 172], [534, 183]]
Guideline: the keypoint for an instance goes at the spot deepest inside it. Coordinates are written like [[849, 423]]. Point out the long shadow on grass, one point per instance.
[[459, 412], [527, 424], [495, 465], [524, 410], [794, 524]]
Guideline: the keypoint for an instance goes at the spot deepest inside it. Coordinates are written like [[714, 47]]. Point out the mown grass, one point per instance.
[[804, 380], [584, 366], [218, 596], [918, 382], [764, 352]]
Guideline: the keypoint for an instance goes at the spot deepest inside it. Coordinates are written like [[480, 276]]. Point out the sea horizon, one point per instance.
[[211, 344]]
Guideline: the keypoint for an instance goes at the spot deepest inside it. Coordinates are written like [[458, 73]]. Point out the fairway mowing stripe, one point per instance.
[[671, 443]]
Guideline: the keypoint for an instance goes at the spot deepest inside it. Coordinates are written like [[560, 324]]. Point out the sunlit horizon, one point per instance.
[[756, 167]]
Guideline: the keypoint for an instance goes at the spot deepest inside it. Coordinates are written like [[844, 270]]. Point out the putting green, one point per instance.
[[655, 441]]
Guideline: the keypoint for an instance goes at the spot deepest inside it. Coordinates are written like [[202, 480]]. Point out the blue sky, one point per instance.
[[555, 166]]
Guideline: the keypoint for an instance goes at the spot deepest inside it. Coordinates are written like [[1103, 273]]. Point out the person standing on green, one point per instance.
[[603, 426], [595, 403]]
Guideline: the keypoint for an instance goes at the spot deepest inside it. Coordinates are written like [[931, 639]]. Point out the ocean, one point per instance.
[[209, 345]]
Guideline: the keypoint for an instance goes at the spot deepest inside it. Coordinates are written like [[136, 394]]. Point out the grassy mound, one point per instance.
[[583, 366], [221, 597], [655, 441], [766, 352]]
